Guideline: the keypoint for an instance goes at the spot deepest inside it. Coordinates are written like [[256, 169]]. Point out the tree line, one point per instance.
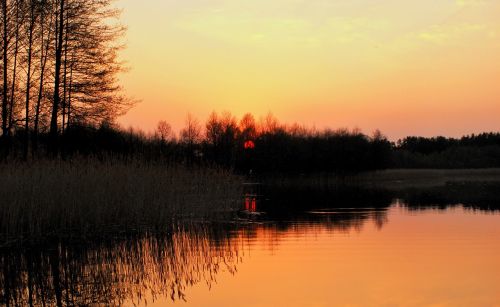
[[471, 151], [247, 144], [59, 68], [275, 147], [267, 146], [295, 148]]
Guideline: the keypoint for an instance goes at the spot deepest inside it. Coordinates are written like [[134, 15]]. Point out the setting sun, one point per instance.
[[249, 153]]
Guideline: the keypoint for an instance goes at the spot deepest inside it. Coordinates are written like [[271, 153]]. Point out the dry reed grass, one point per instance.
[[88, 197]]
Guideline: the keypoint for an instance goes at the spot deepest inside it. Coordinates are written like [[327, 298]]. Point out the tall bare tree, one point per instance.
[[46, 22], [5, 66], [57, 72], [191, 133], [59, 66], [29, 51]]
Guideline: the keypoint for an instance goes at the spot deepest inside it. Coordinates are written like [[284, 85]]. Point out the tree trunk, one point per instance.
[[69, 93], [5, 59], [57, 78], [14, 73], [65, 73], [43, 63], [28, 82]]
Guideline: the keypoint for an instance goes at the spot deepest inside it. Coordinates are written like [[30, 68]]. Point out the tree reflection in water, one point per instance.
[[110, 273], [137, 268], [140, 268]]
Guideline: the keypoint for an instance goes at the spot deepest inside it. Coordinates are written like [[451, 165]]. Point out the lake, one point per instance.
[[417, 248]]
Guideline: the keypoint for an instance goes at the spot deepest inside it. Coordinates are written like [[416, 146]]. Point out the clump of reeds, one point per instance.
[[87, 197]]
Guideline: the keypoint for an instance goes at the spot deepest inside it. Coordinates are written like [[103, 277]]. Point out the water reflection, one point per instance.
[[141, 269], [282, 200], [132, 269], [482, 196], [359, 229], [250, 203]]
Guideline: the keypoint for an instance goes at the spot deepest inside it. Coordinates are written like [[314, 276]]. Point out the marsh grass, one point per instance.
[[84, 198]]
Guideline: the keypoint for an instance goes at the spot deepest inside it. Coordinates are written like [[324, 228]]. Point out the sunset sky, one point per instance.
[[426, 67]]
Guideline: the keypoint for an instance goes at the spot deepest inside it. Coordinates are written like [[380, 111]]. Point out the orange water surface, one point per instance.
[[400, 257]]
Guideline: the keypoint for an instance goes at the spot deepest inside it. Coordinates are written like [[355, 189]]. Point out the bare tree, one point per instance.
[[213, 130], [18, 21], [248, 127], [5, 66], [57, 73], [191, 133], [164, 131], [69, 48], [45, 40], [29, 51], [93, 44], [268, 124]]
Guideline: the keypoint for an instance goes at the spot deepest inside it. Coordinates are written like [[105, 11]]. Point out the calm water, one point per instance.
[[385, 256]]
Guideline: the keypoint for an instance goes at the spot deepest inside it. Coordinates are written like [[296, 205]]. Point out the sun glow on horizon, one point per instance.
[[410, 67]]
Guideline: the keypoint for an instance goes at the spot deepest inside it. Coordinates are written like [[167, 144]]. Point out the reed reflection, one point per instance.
[[164, 266], [131, 270], [139, 269]]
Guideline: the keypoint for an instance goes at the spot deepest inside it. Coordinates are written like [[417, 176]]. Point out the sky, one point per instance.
[[427, 67]]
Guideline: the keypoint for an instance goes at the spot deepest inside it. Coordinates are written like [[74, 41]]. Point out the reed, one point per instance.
[[89, 197]]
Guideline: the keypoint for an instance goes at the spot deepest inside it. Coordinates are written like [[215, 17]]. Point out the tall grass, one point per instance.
[[88, 197]]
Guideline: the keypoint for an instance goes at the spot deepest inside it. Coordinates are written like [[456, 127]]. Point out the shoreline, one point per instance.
[[420, 178]]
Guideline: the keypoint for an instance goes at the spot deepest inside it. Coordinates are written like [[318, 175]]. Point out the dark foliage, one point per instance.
[[268, 148], [472, 195], [340, 152], [473, 151]]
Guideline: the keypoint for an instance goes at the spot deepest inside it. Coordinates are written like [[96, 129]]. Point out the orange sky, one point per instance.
[[422, 67]]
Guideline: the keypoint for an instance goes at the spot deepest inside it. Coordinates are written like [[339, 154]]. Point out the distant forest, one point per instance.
[[266, 146], [59, 98]]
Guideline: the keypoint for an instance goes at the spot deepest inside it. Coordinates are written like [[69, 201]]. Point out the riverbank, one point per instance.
[[391, 179], [395, 179], [475, 188]]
